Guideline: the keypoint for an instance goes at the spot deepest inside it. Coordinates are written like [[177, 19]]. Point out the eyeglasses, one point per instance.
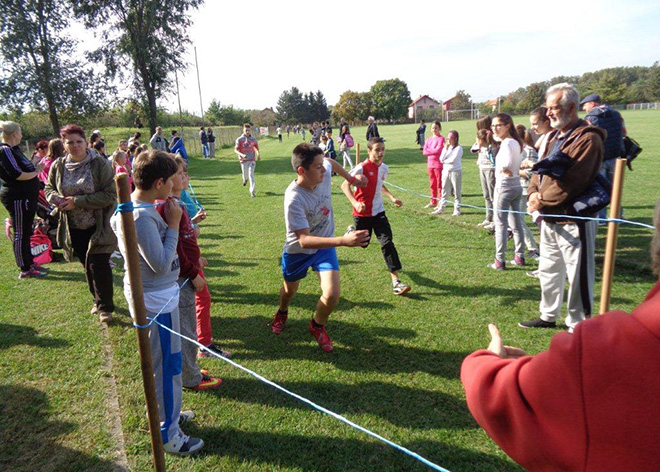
[[496, 126]]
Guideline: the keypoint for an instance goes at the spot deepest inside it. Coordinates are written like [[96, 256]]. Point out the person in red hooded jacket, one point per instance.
[[588, 403]]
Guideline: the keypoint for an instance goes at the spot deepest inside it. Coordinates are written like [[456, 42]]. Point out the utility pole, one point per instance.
[[199, 86], [178, 97]]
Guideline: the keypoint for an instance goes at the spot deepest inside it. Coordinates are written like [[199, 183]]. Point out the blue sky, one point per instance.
[[249, 52]]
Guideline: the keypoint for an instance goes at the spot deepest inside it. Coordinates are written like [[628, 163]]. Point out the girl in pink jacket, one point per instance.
[[432, 149]]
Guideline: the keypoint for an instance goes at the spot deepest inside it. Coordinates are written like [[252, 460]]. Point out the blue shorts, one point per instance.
[[294, 266]]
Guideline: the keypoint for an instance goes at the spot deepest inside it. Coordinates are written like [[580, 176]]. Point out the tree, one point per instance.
[[38, 68], [653, 83], [391, 99], [290, 106], [534, 97], [146, 34], [461, 101], [354, 106], [226, 114]]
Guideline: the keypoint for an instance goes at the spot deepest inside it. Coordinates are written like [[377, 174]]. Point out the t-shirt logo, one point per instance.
[[325, 210]]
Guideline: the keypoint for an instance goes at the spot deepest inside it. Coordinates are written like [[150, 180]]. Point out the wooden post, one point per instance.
[[612, 233], [357, 153], [139, 310]]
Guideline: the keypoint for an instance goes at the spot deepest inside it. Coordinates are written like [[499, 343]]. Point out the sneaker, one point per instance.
[[518, 261], [321, 337], [185, 416], [490, 228], [40, 268], [497, 265], [215, 349], [438, 211], [244, 182], [94, 310], [277, 325], [105, 317], [31, 274], [534, 254], [206, 383], [183, 445], [537, 323], [430, 205], [534, 274], [484, 223], [400, 288], [253, 194], [457, 212]]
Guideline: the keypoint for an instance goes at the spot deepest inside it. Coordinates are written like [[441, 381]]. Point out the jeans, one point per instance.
[[607, 171], [205, 150], [508, 199]]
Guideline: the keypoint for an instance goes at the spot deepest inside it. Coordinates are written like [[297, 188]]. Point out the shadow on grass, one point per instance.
[[357, 349], [13, 335], [318, 453], [402, 406], [35, 438]]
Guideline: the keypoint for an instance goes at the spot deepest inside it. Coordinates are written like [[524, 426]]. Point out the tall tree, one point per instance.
[[148, 34], [391, 99], [353, 106], [290, 106], [39, 68]]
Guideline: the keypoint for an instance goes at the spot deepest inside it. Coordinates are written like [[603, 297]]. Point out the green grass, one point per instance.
[[397, 360]]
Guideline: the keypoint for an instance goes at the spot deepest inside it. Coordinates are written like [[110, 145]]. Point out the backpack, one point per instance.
[[632, 150], [41, 246], [348, 139]]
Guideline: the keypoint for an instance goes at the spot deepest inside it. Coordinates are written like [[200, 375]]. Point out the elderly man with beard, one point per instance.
[[567, 245]]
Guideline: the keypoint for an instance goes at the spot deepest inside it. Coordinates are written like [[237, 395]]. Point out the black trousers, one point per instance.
[[97, 269], [22, 211], [380, 225]]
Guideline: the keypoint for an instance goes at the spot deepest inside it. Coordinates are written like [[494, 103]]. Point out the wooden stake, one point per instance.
[[612, 233], [357, 153], [139, 310]]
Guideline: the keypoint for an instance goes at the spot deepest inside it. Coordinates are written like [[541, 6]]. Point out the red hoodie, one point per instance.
[[589, 403]]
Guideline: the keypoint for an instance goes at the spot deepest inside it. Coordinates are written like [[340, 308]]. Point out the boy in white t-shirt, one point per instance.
[[310, 237], [369, 211]]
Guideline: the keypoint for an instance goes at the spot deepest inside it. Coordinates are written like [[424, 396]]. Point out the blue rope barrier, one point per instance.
[[572, 217], [153, 320], [309, 402], [126, 207], [194, 196]]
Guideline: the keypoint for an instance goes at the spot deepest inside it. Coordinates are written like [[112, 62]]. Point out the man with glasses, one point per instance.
[[567, 245]]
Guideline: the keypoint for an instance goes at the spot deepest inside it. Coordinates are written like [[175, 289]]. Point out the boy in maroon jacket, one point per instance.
[[189, 254]]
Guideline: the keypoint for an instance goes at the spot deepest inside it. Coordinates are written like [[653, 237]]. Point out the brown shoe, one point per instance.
[[105, 317]]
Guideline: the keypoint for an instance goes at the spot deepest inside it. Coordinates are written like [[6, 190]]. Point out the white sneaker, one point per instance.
[[457, 212], [438, 211], [430, 205], [484, 223], [253, 194], [183, 445]]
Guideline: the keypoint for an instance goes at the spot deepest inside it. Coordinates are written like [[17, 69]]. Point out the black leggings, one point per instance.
[[22, 211], [97, 269], [381, 226]]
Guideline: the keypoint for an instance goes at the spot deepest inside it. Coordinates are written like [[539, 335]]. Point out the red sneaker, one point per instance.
[[206, 383], [322, 337], [278, 322]]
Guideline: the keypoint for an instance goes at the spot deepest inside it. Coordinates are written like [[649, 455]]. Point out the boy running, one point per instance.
[[369, 211], [310, 239], [247, 149]]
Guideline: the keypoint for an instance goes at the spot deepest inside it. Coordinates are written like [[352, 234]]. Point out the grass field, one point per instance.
[[396, 366]]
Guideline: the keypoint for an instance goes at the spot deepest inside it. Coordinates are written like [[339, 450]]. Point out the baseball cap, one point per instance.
[[592, 97]]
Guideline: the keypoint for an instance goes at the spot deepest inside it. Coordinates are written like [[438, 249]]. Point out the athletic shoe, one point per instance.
[[244, 182], [94, 310], [537, 323], [278, 322], [497, 265], [484, 223], [183, 445], [40, 268], [490, 228], [438, 211], [321, 337], [457, 212], [253, 194], [534, 254], [105, 317], [430, 205], [214, 348], [185, 416], [518, 261], [534, 274], [400, 288], [31, 274], [206, 383]]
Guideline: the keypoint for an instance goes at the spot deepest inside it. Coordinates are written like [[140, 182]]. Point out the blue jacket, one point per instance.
[[607, 118]]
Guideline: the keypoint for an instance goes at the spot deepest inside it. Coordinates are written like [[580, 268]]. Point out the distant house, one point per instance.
[[422, 103], [267, 117], [492, 104], [448, 105]]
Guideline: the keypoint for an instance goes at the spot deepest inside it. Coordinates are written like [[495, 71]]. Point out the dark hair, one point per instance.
[[506, 119], [525, 135], [304, 155], [55, 148], [328, 130], [247, 125], [98, 145], [174, 132], [137, 135], [436, 122], [43, 144], [132, 148], [541, 113], [373, 141], [149, 166], [454, 132], [93, 138], [72, 129], [422, 121], [483, 135], [484, 122]]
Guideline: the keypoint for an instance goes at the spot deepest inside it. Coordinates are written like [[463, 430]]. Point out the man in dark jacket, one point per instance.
[[372, 129], [606, 117], [567, 245]]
